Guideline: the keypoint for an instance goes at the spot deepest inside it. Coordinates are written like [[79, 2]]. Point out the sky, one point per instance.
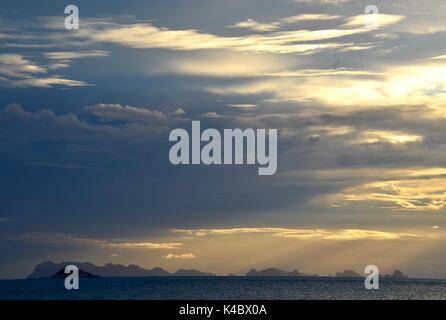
[[85, 117]]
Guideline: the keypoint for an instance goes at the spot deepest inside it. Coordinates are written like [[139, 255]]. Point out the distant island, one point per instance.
[[349, 274], [82, 274], [352, 274], [274, 272], [396, 275], [51, 269]]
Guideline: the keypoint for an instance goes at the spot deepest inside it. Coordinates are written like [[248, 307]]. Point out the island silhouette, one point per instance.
[[274, 272], [82, 274], [51, 269]]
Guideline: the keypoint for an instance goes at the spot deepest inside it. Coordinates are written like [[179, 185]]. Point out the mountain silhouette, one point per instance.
[[274, 272], [352, 274], [82, 274], [49, 268], [349, 274], [191, 273], [397, 274]]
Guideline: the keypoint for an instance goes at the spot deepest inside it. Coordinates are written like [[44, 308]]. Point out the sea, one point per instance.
[[222, 288]]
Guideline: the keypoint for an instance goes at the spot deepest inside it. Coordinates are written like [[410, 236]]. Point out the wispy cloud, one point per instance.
[[147, 35], [185, 256], [242, 105], [18, 71], [381, 19], [400, 195], [254, 25], [122, 112], [150, 36], [144, 245], [270, 26], [324, 72], [317, 234], [221, 64], [441, 57], [70, 239], [421, 83], [310, 17], [394, 137], [17, 66], [402, 189], [70, 55], [144, 35], [46, 82]]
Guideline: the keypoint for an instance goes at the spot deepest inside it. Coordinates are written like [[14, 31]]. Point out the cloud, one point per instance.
[[58, 65], [381, 19], [18, 71], [370, 174], [15, 65], [394, 137], [400, 195], [410, 189], [47, 82], [241, 105], [60, 238], [423, 22], [127, 113], [185, 256], [144, 245], [357, 147], [14, 113], [105, 131], [423, 28], [70, 239], [258, 26], [362, 131], [421, 83], [254, 25], [223, 65], [302, 234], [179, 112], [309, 17], [146, 35], [441, 57], [70, 55], [324, 72]]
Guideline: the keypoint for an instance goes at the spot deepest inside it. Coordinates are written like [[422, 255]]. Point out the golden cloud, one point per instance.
[[302, 234], [411, 189], [185, 256], [147, 35]]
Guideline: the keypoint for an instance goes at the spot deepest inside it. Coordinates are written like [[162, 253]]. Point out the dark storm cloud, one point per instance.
[[123, 159]]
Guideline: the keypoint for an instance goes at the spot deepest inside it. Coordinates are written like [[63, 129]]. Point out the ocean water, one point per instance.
[[233, 288]]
